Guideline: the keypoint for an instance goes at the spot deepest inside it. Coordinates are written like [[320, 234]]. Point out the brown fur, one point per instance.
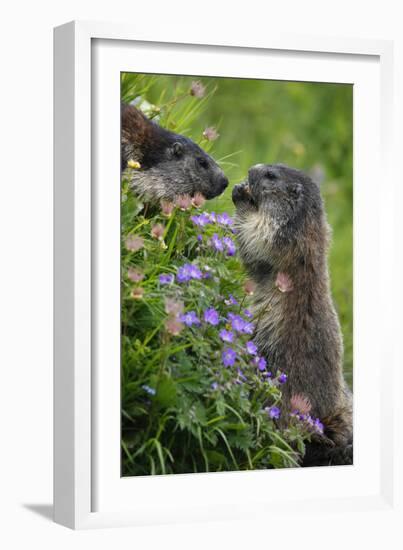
[[282, 228], [169, 164], [136, 134]]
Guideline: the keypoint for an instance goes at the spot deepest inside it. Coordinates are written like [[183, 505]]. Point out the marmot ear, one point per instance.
[[317, 174], [177, 149]]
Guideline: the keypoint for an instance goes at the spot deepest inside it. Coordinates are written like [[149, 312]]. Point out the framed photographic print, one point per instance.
[[219, 235]]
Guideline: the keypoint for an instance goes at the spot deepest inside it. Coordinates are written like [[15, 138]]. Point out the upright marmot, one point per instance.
[[283, 241], [169, 165]]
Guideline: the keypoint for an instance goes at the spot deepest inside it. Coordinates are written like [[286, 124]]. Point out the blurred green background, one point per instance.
[[305, 125]]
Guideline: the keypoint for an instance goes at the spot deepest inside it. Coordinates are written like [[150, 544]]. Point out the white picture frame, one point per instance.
[[88, 490]]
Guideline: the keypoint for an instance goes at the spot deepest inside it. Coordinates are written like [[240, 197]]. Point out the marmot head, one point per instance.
[[170, 164], [279, 217]]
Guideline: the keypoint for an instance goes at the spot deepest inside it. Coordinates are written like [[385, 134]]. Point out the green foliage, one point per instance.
[[305, 125], [182, 409]]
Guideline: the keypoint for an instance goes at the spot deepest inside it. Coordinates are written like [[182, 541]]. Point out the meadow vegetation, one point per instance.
[[196, 394]]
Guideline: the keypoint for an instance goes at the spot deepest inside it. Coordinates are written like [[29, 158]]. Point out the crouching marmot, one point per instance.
[[166, 165], [283, 238]]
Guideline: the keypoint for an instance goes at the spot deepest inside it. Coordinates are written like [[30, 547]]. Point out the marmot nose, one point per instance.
[[223, 183], [254, 171]]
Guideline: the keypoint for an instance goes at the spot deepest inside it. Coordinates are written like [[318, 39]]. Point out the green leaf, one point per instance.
[[165, 391], [215, 458]]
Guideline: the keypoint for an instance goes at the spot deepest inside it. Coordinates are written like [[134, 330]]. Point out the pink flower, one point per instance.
[[157, 231], [135, 275], [249, 287], [167, 208], [137, 293], [300, 403], [173, 307], [184, 202], [197, 89], [134, 243], [284, 282], [198, 200], [174, 326], [210, 134]]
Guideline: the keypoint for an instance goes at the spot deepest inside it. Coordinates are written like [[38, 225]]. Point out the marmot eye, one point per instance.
[[202, 162], [177, 149], [269, 174]]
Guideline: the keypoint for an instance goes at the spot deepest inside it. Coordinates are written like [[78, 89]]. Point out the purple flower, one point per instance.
[[224, 219], [150, 391], [261, 363], [230, 246], [251, 348], [231, 301], [214, 386], [183, 274], [212, 217], [226, 335], [247, 313], [228, 357], [282, 378], [166, 278], [240, 325], [231, 250], [217, 243], [237, 322], [190, 318], [319, 427], [199, 238], [248, 328], [273, 412], [211, 316], [195, 272], [201, 220], [188, 272]]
